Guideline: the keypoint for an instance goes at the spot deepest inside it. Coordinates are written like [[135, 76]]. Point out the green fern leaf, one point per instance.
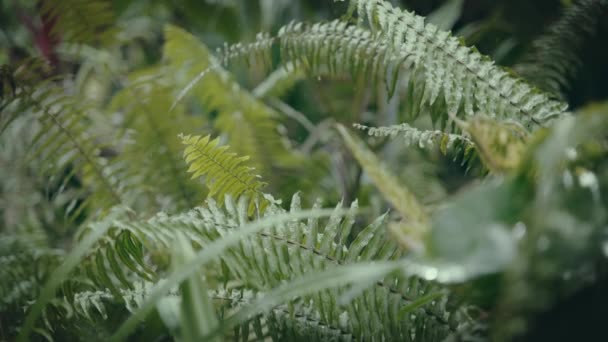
[[250, 125], [149, 148], [464, 76], [79, 21], [226, 173], [458, 145]]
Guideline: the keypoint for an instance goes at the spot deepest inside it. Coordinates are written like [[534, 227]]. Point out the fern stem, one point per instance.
[[293, 114]]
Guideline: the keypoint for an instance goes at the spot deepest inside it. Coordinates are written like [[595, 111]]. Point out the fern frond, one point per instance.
[[149, 149], [398, 195], [468, 81], [273, 256], [458, 145], [61, 143], [24, 266], [79, 21], [64, 144], [226, 174], [21, 81], [287, 251], [250, 125], [270, 258], [466, 78], [336, 48], [554, 59]]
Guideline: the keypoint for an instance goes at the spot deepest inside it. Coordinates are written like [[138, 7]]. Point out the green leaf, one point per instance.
[[226, 173], [198, 316]]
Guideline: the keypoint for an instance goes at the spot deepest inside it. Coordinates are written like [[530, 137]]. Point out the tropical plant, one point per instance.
[[157, 192]]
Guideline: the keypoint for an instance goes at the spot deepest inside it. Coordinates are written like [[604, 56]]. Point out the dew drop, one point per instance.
[[519, 230]]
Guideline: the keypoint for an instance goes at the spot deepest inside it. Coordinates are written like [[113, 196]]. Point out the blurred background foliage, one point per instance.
[[124, 62]]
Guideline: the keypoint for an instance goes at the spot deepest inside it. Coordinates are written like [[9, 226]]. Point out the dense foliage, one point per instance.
[[165, 168]]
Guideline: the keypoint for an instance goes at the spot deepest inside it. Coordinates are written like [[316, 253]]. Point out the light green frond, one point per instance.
[[250, 125], [225, 173]]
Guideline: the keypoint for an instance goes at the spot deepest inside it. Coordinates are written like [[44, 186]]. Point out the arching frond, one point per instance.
[[250, 125], [464, 76], [291, 250], [467, 81]]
